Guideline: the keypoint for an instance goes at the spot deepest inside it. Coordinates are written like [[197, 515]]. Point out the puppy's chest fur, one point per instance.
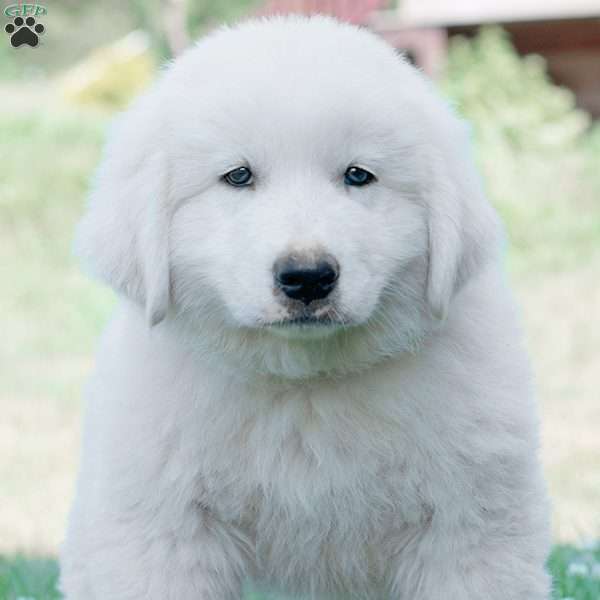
[[323, 475]]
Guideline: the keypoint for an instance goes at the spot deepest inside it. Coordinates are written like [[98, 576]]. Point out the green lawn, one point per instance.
[[576, 573], [50, 314]]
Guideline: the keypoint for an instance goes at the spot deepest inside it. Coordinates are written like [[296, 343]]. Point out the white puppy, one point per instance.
[[315, 382]]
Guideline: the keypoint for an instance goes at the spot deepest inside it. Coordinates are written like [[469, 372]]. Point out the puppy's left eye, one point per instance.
[[357, 176], [239, 177]]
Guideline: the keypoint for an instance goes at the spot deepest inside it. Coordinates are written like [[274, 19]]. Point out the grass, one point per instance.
[[576, 574], [28, 579], [50, 315]]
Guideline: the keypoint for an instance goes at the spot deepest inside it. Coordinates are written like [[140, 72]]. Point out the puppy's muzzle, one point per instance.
[[306, 280]]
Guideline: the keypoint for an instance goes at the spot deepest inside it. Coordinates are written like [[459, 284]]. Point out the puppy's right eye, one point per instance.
[[239, 177]]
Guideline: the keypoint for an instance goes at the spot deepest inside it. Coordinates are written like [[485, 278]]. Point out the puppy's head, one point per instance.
[[295, 193]]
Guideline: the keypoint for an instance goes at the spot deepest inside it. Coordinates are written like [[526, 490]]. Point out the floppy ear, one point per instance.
[[464, 231], [123, 236]]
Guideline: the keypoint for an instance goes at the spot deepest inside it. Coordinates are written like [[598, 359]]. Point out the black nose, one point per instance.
[[306, 280]]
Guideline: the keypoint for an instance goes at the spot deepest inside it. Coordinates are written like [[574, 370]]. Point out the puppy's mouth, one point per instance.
[[306, 321], [306, 326]]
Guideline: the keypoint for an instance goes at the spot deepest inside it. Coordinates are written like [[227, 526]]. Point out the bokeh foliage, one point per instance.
[[535, 148], [74, 28]]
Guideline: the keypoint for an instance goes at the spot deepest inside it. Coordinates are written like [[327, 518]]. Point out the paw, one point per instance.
[[24, 31]]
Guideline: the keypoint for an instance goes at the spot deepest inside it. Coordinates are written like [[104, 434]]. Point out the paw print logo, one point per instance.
[[24, 31]]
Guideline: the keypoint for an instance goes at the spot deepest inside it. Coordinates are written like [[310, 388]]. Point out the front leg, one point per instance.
[[473, 562], [193, 556]]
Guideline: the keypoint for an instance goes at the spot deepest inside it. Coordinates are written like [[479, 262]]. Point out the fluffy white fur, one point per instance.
[[390, 456]]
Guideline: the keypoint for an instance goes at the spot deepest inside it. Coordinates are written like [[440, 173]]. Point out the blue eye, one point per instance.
[[239, 177], [358, 177]]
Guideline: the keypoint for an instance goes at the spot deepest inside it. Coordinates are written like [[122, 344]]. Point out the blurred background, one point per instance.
[[524, 73]]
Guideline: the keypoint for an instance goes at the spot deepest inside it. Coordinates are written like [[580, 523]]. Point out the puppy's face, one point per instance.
[[297, 196], [296, 191]]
